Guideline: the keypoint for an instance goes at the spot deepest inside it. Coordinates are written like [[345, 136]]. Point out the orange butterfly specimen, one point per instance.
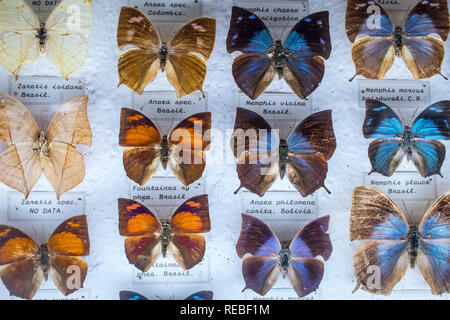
[[26, 263], [147, 235], [183, 150], [186, 71], [31, 151]]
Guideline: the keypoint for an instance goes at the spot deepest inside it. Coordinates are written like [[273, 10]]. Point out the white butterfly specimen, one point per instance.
[[23, 37]]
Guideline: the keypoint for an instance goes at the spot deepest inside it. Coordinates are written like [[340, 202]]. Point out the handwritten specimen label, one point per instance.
[[401, 5], [404, 185], [395, 93], [55, 294], [167, 270], [45, 90], [277, 106], [279, 205], [169, 11], [43, 205], [165, 192], [276, 14]]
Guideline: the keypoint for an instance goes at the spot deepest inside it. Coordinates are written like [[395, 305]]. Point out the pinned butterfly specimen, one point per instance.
[[299, 59], [304, 155], [201, 295], [146, 235], [31, 150], [393, 243], [25, 263], [185, 70], [418, 142], [382, 40], [297, 260], [62, 37], [183, 149]]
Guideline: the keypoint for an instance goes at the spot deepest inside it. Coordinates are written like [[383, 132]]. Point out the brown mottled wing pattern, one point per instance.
[[68, 273], [137, 66], [189, 141]]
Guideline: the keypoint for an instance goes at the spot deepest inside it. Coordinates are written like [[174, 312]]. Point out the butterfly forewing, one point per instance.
[[130, 295], [201, 295]]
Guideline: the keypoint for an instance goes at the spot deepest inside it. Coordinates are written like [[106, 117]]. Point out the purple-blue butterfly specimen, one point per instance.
[[297, 260], [201, 295], [377, 40], [418, 142], [394, 243], [299, 59]]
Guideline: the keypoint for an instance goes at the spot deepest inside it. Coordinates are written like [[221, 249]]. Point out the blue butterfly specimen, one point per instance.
[[377, 40], [417, 142], [393, 243], [201, 295], [299, 59]]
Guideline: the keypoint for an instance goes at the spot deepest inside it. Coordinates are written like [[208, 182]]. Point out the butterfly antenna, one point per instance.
[[414, 114], [406, 209], [428, 206], [401, 115]]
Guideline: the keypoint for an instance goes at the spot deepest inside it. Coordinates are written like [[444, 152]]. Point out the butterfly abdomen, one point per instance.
[[285, 257], [44, 260], [413, 245], [284, 151], [166, 233], [397, 40], [407, 136], [163, 52], [278, 57], [42, 36], [164, 149]]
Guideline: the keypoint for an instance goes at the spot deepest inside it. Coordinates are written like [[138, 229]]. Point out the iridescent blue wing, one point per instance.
[[423, 53], [247, 33], [201, 295], [386, 155], [381, 263], [428, 156], [130, 295], [428, 17], [311, 145], [260, 268], [307, 44], [306, 271], [257, 239], [367, 17], [381, 121], [434, 258], [434, 122]]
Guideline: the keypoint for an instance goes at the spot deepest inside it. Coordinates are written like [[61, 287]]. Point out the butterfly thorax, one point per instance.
[[279, 57], [42, 36], [44, 260], [406, 142], [283, 152], [41, 146], [285, 258], [164, 151], [165, 237], [413, 245], [397, 40], [163, 52]]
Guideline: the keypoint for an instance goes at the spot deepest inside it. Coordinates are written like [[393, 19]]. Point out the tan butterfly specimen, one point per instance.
[[186, 71], [23, 37], [31, 151]]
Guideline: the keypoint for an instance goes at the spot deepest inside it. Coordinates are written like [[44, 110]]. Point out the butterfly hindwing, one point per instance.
[[130, 295], [201, 295], [434, 257]]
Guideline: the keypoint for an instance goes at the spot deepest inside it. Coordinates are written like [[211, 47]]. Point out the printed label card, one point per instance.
[[405, 94], [281, 15], [44, 206], [55, 294], [43, 8], [166, 192], [282, 290], [167, 270], [279, 205], [169, 11]]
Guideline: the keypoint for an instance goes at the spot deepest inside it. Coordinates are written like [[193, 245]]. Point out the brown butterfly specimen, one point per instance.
[[183, 150], [186, 71], [26, 263], [31, 150], [147, 236]]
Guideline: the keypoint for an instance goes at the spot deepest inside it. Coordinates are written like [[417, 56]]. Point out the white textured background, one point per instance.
[[109, 271]]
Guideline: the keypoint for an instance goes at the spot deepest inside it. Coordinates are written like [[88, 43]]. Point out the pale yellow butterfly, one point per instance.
[[23, 37]]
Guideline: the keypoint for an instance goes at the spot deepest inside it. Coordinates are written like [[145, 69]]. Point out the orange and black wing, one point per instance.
[[142, 160], [191, 218], [189, 141], [20, 274], [142, 229]]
